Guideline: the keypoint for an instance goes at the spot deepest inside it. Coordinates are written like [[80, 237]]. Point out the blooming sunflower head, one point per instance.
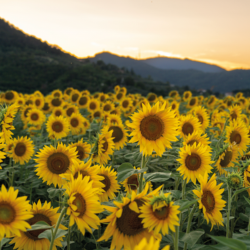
[[188, 125], [154, 128]]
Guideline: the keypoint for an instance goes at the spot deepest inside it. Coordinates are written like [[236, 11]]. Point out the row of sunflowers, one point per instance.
[[123, 171]]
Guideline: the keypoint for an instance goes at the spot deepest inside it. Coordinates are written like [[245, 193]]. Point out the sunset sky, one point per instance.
[[215, 31]]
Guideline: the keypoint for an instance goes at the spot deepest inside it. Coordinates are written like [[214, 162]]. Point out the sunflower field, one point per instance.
[[123, 171]]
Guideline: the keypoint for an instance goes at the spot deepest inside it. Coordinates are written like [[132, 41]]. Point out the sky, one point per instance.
[[214, 31]]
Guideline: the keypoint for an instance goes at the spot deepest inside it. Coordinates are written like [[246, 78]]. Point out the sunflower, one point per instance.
[[247, 179], [57, 93], [24, 112], [219, 123], [175, 106], [154, 127], [97, 114], [235, 112], [119, 96], [70, 109], [2, 156], [151, 244], [110, 182], [35, 117], [56, 102], [93, 105], [83, 101], [125, 225], [238, 132], [210, 199], [74, 96], [160, 214], [102, 97], [174, 94], [131, 183], [202, 115], [85, 169], [226, 159], [152, 97], [211, 101], [46, 107], [67, 91], [119, 134], [22, 150], [192, 102], [76, 123], [55, 161], [20, 101], [117, 88], [82, 148], [38, 101], [13, 212], [83, 204], [105, 147], [108, 106], [194, 160], [188, 125], [197, 138], [114, 119], [57, 127], [187, 95], [29, 240], [10, 96]]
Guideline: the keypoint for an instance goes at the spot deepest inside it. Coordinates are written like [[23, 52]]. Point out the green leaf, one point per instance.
[[231, 243], [244, 217], [47, 234], [4, 241], [184, 204], [239, 191], [54, 192], [126, 170], [192, 237], [157, 177], [247, 200], [60, 233], [40, 225]]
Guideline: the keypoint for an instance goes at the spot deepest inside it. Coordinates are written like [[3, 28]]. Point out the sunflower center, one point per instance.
[[173, 106], [97, 114], [58, 163], [133, 182], [80, 203], [9, 95], [187, 128], [186, 96], [106, 182], [152, 97], [58, 113], [162, 213], [192, 102], [83, 173], [125, 104], [37, 217], [74, 97], [57, 94], [92, 106], [119, 96], [192, 142], [56, 102], [57, 127], [74, 122], [102, 98], [46, 106], [80, 152], [193, 162], [70, 111], [117, 133], [227, 159], [211, 100], [152, 127], [83, 100], [233, 116], [68, 91], [107, 107], [129, 223], [235, 136], [37, 102], [105, 146], [248, 179], [7, 213], [200, 118], [34, 117], [26, 112], [208, 201], [20, 149]]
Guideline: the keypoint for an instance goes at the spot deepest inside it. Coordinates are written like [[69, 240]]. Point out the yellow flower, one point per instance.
[[82, 148], [202, 115], [197, 138], [76, 123], [35, 117], [83, 101], [187, 95], [210, 199], [188, 125], [154, 128]]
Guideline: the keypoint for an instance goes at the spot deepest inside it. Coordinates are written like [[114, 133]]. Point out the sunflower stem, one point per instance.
[[184, 188], [143, 163], [190, 217], [56, 228], [228, 211], [233, 222], [68, 239], [176, 239], [177, 181]]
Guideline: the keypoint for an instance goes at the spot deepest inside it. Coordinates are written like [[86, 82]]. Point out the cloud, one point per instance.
[[164, 53]]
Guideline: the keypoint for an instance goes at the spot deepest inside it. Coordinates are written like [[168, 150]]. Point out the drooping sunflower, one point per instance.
[[226, 159], [110, 182], [154, 128], [187, 95], [104, 148], [83, 101], [175, 106], [235, 112], [93, 105], [219, 123], [211, 101], [83, 204], [125, 225], [115, 111], [102, 97], [160, 214], [194, 160], [22, 149], [76, 123], [188, 125], [197, 138], [35, 117], [202, 115], [55, 161], [210, 199], [174, 94], [13, 212], [117, 88], [82, 148], [192, 102], [85, 169], [57, 127], [119, 134], [46, 107], [67, 91], [29, 240], [237, 133]]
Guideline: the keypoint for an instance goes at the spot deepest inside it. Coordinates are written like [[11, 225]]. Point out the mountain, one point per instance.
[[182, 64], [220, 81]]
